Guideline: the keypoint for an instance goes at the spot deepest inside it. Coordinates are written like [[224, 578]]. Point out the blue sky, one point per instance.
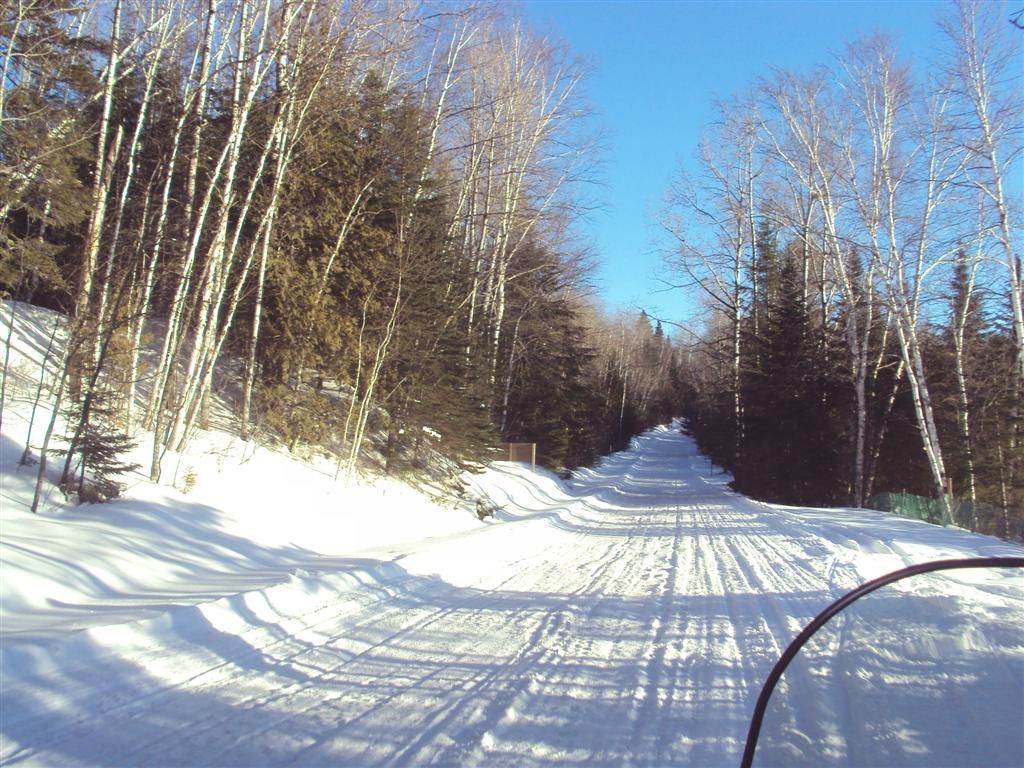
[[657, 68]]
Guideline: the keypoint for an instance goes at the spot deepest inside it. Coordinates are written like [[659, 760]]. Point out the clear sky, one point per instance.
[[657, 68]]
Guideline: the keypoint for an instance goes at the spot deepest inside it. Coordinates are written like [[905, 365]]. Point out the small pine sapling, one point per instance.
[[99, 447]]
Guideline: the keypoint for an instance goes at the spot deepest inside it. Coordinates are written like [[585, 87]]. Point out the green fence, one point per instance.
[[924, 508], [979, 516]]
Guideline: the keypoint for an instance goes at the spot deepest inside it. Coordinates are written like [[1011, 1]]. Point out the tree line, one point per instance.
[[347, 219], [854, 232]]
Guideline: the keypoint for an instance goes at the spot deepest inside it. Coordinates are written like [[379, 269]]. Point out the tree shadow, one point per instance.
[[185, 542], [410, 670], [419, 672]]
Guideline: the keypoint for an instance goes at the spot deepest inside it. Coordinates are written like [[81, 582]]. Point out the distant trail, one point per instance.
[[629, 621]]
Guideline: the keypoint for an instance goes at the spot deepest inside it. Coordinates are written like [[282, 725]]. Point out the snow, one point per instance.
[[627, 616]]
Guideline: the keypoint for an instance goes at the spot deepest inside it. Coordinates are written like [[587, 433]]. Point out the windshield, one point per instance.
[[925, 671]]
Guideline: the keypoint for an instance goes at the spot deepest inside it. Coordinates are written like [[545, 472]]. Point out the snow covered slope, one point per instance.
[[625, 617]]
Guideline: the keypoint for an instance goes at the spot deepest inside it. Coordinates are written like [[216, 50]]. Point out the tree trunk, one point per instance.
[[960, 320], [104, 160], [7, 361], [26, 455]]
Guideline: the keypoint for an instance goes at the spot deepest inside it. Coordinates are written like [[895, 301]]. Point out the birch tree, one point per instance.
[[190, 103], [807, 135], [911, 178], [164, 25], [209, 56], [723, 202], [105, 159], [985, 71], [523, 97], [251, 64]]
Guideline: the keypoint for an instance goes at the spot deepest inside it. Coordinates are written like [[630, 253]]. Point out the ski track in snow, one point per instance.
[[628, 619]]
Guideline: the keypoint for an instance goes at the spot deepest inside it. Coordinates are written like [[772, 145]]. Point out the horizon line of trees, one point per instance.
[[854, 232], [345, 217]]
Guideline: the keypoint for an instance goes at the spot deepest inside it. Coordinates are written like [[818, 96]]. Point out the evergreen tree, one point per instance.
[[765, 277], [793, 431], [434, 388], [552, 400], [99, 447], [326, 257], [44, 147]]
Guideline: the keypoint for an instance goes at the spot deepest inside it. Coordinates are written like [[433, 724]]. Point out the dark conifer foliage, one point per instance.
[[354, 224], [798, 419], [792, 429], [547, 400], [43, 149], [853, 235], [99, 447]]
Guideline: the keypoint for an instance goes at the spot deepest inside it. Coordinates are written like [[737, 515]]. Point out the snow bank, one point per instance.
[[270, 615]]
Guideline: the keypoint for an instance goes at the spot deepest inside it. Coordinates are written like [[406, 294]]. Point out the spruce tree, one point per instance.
[[790, 447], [44, 147], [99, 447]]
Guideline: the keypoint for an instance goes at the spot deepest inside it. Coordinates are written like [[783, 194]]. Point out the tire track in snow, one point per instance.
[[350, 658], [636, 651], [557, 676], [647, 741], [729, 640], [422, 624], [635, 630], [360, 614]]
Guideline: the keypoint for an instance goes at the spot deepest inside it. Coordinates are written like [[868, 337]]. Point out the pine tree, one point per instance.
[[99, 448], [46, 82], [547, 385], [790, 450], [765, 279], [434, 390]]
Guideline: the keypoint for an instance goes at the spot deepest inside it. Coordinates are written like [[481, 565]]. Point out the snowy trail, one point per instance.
[[626, 620]]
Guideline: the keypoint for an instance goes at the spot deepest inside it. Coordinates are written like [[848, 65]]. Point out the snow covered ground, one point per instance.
[[624, 617]]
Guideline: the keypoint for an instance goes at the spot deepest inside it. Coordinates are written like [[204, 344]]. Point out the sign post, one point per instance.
[[524, 452]]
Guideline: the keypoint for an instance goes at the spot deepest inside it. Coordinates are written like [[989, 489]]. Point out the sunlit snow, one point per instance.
[[626, 616]]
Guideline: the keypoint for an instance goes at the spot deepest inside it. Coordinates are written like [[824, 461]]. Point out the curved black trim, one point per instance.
[[822, 618]]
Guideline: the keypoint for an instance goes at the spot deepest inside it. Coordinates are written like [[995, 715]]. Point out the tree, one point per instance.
[[99, 446], [356, 214], [794, 429], [965, 332], [45, 81], [721, 266], [808, 136], [984, 68], [875, 176]]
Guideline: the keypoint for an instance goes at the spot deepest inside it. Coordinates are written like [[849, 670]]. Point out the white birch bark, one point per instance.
[[961, 317], [987, 77], [803, 144], [101, 174], [196, 94], [723, 202], [150, 64], [902, 210], [250, 71]]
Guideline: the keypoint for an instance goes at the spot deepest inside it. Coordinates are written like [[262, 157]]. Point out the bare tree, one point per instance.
[[986, 80], [105, 159], [724, 203], [522, 97], [810, 136]]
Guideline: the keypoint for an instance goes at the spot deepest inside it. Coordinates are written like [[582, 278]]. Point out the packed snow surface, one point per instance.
[[627, 616]]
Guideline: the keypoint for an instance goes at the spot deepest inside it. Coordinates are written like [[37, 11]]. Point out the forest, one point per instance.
[[350, 221], [854, 232], [363, 222]]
